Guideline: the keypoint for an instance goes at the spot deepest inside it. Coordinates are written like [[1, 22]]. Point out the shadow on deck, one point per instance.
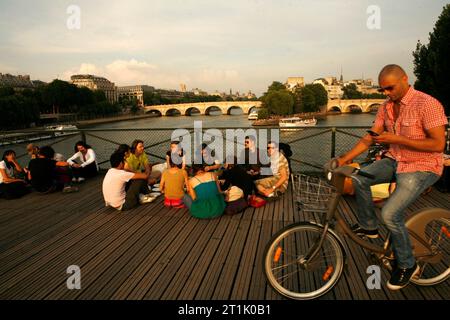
[[156, 253]]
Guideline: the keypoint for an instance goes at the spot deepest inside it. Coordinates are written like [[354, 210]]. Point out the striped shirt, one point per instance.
[[418, 112]]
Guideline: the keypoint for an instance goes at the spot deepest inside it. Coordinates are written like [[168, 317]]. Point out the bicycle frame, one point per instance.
[[337, 181]]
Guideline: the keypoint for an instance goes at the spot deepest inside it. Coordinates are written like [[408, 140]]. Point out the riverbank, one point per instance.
[[88, 123], [273, 120]]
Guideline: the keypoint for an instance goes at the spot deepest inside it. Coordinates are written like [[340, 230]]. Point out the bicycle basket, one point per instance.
[[312, 193]]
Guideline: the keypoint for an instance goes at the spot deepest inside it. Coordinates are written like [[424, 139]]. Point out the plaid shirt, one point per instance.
[[418, 112]]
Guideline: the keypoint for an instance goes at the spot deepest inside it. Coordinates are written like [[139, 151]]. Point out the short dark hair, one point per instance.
[[116, 159], [47, 152], [274, 143], [196, 168]]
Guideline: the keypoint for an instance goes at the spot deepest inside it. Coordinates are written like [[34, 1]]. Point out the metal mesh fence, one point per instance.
[[311, 147]]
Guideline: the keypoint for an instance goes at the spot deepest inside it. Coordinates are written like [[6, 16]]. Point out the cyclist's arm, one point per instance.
[[360, 147], [434, 142]]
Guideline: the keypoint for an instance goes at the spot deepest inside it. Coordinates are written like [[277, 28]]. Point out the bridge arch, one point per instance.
[[373, 107], [210, 109], [335, 109], [234, 108], [173, 112], [353, 108], [251, 109], [157, 112], [188, 111]]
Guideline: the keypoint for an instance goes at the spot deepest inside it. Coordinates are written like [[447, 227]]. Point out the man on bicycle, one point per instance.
[[413, 124]]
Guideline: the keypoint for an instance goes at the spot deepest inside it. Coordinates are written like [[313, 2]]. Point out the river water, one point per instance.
[[311, 146], [229, 121]]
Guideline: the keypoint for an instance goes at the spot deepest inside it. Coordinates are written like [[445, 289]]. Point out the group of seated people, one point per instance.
[[208, 189], [46, 172]]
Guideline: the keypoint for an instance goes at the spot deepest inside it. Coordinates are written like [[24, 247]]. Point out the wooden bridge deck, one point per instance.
[[156, 253]]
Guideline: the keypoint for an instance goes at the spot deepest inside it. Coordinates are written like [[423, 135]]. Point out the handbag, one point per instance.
[[256, 202]]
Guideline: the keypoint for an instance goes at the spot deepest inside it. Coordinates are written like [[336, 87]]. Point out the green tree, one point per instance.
[[279, 102], [432, 61], [308, 100], [320, 95], [263, 113], [276, 85], [351, 92]]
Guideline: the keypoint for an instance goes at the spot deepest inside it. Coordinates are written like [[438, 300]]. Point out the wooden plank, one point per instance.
[[197, 276], [102, 269], [206, 289]]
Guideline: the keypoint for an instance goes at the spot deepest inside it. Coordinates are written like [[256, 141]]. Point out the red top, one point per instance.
[[418, 112]]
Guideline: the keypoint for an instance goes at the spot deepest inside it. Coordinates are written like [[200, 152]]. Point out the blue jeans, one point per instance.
[[409, 187]]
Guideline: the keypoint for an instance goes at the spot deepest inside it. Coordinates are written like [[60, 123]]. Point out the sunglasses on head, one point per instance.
[[389, 88]]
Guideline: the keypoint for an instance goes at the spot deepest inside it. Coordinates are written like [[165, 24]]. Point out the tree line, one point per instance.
[[280, 101], [22, 109]]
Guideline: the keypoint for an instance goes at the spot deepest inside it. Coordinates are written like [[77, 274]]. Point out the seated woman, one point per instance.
[[10, 187], [137, 161], [176, 153], [211, 164], [87, 166], [205, 199], [49, 175], [172, 185]]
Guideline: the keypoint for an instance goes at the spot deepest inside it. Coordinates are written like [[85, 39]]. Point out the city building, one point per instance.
[[134, 92], [16, 82], [97, 83], [199, 92], [332, 86], [171, 94], [295, 82], [183, 87]]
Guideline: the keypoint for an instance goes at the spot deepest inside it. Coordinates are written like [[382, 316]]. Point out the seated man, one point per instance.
[[279, 165], [115, 191], [48, 175]]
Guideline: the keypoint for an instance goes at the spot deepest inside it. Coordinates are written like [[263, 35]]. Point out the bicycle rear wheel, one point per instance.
[[433, 227], [286, 271]]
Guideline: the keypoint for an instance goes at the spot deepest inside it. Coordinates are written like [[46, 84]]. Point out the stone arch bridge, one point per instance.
[[204, 107], [354, 105]]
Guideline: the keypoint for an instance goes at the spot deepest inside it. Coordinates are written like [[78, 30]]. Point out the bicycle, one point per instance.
[[305, 260]]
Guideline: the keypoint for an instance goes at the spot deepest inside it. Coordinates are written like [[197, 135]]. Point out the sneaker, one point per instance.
[[70, 189], [74, 180], [401, 277], [143, 198], [372, 234], [80, 179]]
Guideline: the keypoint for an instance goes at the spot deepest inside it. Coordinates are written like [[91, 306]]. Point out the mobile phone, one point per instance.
[[372, 133]]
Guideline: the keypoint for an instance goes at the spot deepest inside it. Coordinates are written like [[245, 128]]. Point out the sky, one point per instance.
[[212, 45]]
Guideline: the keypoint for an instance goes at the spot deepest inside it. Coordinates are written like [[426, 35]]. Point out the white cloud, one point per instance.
[[133, 72]]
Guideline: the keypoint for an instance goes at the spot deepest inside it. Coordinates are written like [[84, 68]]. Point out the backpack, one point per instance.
[[286, 149]]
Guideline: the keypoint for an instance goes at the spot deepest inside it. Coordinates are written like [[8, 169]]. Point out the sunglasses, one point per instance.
[[390, 88], [268, 148]]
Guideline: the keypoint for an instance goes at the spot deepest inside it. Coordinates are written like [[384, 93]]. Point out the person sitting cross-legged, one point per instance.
[[278, 182], [120, 194], [49, 175]]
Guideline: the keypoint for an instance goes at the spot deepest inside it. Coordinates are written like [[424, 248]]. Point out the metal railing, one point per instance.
[[311, 147]]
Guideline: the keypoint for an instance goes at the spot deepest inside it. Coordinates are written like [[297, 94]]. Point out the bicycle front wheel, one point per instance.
[[431, 227], [286, 269]]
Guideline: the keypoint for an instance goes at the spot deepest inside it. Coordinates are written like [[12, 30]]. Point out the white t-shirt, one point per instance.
[[86, 160], [114, 187], [9, 172]]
